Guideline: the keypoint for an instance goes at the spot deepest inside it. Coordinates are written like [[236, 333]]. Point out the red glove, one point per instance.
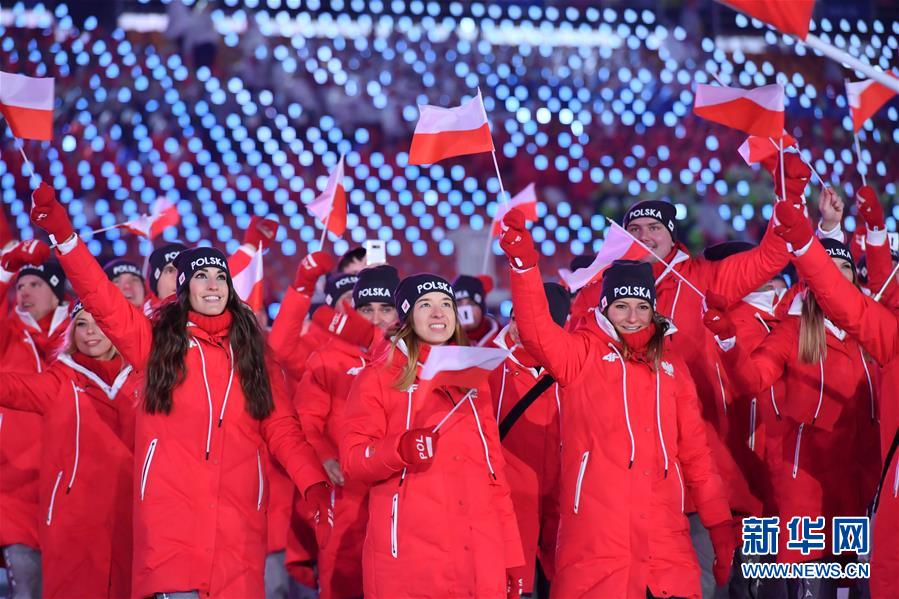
[[869, 209], [310, 269], [724, 542], [48, 214], [321, 500], [487, 282], [797, 177], [30, 252], [418, 445], [516, 241], [261, 231], [792, 224], [716, 318], [350, 326], [515, 582]]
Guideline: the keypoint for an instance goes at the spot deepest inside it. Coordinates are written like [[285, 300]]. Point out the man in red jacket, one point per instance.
[[127, 276], [471, 297], [29, 336]]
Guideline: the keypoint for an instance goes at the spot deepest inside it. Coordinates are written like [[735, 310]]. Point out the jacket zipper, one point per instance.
[[53, 497], [721, 385], [261, 483], [796, 452], [580, 480], [37, 359], [394, 516], [752, 407], [145, 471], [680, 479], [77, 437]]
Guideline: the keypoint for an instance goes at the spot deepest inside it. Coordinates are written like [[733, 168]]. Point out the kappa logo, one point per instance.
[[610, 357], [435, 286], [668, 368]]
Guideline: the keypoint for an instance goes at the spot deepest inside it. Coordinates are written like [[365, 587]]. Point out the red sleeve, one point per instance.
[[880, 265], [738, 275], [125, 325], [873, 325], [284, 437], [288, 328], [752, 373], [699, 470], [367, 453], [312, 400], [29, 392], [562, 353]]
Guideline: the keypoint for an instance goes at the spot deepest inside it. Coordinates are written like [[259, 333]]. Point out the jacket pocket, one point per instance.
[[680, 480], [145, 471], [53, 497], [394, 516], [261, 481], [580, 480]]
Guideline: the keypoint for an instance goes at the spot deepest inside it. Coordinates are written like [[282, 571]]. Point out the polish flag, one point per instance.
[[163, 215], [866, 98], [447, 132], [618, 245], [526, 201], [330, 206], [27, 105], [248, 281], [460, 366], [758, 111], [788, 16], [755, 149]]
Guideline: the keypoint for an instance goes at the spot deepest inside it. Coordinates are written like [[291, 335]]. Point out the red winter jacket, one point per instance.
[[199, 505], [24, 348], [484, 335], [633, 447], [532, 451], [87, 464], [877, 329], [320, 401], [447, 530], [754, 426], [828, 423]]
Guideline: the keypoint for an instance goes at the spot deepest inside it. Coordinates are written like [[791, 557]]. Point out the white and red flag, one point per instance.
[[755, 149], [758, 111], [460, 366], [27, 105], [248, 280], [330, 206], [788, 16], [447, 132], [618, 245], [525, 200], [163, 214], [866, 98]]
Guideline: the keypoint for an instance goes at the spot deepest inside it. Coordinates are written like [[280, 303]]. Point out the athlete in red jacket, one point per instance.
[[86, 400], [29, 335], [471, 296], [320, 400], [877, 329], [633, 440], [530, 441], [829, 419], [440, 519], [212, 408]]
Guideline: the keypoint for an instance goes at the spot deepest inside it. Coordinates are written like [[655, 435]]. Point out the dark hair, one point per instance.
[[165, 368], [351, 256]]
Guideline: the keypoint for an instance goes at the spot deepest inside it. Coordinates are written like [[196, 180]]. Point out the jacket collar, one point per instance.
[[796, 310], [502, 342], [679, 256], [110, 390], [60, 315], [764, 301]]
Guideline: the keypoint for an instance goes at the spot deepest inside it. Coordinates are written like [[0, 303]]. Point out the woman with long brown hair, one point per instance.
[[213, 406], [830, 430], [440, 518]]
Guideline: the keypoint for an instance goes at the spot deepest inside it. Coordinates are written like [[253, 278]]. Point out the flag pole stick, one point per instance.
[[450, 413], [811, 168], [103, 230], [844, 57], [488, 250], [858, 157], [886, 283], [28, 162], [321, 242], [668, 267]]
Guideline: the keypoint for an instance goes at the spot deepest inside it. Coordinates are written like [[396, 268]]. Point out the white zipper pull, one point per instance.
[[580, 480]]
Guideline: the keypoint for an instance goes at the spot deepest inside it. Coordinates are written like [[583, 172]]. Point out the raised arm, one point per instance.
[[285, 439], [367, 452], [560, 352], [125, 325], [24, 253], [29, 392]]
